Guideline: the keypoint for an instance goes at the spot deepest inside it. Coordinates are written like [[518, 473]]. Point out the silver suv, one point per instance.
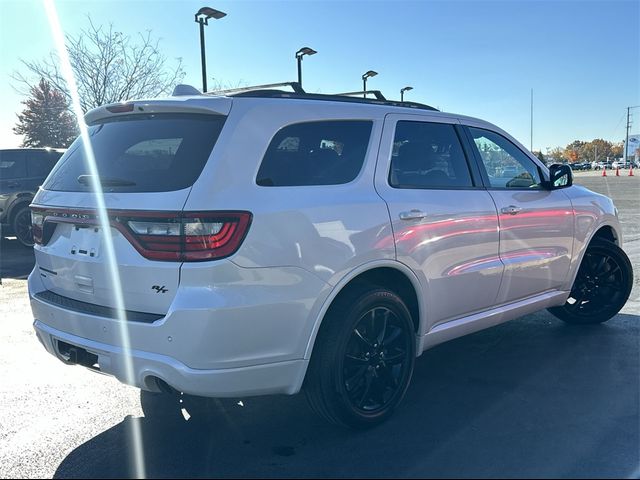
[[265, 242]]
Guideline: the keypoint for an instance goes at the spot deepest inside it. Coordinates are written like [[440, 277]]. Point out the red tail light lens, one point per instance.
[[168, 236], [187, 236]]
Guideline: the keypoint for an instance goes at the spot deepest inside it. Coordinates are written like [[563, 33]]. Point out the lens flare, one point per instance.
[[67, 72]]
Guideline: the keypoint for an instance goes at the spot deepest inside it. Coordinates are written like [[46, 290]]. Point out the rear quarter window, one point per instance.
[[315, 153], [146, 153]]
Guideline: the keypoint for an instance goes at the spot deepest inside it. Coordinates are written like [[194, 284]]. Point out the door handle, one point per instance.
[[511, 210], [414, 214], [13, 184]]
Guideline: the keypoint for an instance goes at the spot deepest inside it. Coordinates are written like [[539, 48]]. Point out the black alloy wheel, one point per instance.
[[363, 358], [375, 361], [601, 288]]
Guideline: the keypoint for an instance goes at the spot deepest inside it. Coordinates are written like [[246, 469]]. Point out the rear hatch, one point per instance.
[[146, 165]]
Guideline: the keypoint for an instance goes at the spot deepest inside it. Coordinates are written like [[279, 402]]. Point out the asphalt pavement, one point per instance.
[[531, 398]]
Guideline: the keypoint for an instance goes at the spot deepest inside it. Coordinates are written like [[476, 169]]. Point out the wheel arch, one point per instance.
[[389, 274], [604, 231]]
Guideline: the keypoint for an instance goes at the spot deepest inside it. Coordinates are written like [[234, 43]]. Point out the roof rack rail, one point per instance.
[[295, 86], [376, 93], [331, 98]]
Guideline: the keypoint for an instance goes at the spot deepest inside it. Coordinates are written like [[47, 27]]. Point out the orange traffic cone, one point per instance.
[[631, 171], [617, 171], [604, 171]]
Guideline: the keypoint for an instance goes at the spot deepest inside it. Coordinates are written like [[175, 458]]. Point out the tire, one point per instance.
[[21, 225], [601, 288], [169, 407], [363, 358]]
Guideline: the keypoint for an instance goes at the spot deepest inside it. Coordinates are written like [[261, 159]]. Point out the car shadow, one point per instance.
[[16, 260], [532, 397]]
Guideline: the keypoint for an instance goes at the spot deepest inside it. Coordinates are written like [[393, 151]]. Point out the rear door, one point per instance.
[[146, 165], [444, 222], [536, 224]]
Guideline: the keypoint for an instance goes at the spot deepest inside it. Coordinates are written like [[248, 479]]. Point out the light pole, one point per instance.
[[299, 54], [405, 89], [368, 74], [202, 17]]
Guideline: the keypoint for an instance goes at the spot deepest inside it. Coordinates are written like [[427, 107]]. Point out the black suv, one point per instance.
[[22, 171]]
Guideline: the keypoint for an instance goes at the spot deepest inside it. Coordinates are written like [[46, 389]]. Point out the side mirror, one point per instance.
[[560, 176]]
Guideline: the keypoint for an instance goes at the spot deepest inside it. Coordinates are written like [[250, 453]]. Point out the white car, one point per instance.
[[267, 242]]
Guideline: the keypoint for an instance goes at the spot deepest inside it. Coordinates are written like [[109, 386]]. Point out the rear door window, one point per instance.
[[428, 155], [315, 153], [141, 153]]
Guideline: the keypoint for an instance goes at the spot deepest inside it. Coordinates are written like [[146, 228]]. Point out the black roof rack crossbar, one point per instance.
[[330, 98], [295, 86], [376, 93]]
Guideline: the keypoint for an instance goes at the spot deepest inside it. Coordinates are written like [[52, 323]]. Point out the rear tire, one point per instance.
[[21, 225], [601, 288], [363, 359]]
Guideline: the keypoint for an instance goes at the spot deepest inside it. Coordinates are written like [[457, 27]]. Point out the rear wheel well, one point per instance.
[[606, 233], [392, 279]]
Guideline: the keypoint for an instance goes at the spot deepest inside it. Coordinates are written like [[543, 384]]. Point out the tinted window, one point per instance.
[[156, 153], [39, 164], [506, 165], [12, 165], [428, 155], [315, 153]]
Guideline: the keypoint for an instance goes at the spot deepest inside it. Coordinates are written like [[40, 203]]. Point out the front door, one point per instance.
[[536, 224]]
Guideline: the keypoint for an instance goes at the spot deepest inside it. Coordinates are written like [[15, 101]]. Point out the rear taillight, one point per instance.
[[168, 236], [37, 224], [184, 237]]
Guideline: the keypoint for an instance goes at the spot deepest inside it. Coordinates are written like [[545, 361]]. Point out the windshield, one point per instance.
[[141, 153]]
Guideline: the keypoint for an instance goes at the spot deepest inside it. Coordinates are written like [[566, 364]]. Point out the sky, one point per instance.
[[478, 58]]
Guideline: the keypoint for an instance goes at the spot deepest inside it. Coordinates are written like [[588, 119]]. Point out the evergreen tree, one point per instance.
[[46, 121]]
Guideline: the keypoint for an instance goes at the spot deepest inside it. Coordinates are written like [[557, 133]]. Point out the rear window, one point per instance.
[[141, 153], [315, 153]]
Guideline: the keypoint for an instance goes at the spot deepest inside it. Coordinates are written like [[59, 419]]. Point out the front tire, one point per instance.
[[363, 359], [601, 288]]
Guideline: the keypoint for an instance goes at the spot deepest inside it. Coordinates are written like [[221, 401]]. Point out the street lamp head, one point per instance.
[[205, 13], [406, 89], [305, 51], [369, 74]]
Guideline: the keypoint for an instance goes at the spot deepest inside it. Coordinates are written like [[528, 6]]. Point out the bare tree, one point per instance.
[[108, 66]]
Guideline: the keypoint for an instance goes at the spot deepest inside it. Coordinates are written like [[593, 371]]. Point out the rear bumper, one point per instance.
[[141, 369], [235, 338]]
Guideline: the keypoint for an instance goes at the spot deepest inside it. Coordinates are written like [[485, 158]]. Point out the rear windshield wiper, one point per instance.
[[106, 181]]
